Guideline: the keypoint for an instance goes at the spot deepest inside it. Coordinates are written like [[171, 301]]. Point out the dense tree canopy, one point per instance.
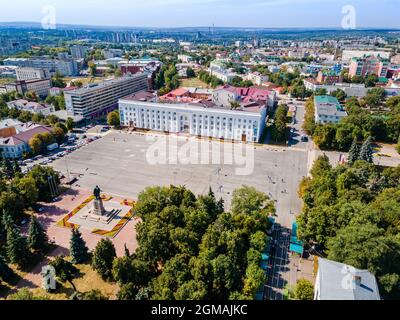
[[362, 122], [352, 212], [189, 248]]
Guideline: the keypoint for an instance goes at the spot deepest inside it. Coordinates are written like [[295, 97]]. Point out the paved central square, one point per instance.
[[118, 164]]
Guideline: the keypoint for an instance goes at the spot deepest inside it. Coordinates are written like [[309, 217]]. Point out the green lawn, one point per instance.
[[194, 82], [6, 80]]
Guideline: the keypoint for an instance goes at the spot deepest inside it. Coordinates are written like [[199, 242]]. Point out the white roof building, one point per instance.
[[338, 281]]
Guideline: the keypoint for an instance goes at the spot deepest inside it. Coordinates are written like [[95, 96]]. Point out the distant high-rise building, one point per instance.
[[78, 51]]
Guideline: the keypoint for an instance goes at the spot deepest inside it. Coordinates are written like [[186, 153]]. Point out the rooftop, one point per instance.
[[151, 97], [96, 86], [362, 284], [7, 123], [24, 136], [328, 105], [28, 105]]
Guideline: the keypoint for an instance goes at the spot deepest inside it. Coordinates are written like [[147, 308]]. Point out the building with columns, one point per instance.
[[143, 110]]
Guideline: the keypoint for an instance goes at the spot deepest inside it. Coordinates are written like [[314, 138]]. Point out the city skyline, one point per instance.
[[197, 13]]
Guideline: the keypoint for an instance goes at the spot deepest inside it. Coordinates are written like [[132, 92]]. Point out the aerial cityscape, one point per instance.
[[192, 150]]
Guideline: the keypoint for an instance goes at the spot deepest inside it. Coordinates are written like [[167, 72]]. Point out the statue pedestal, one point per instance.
[[98, 208]]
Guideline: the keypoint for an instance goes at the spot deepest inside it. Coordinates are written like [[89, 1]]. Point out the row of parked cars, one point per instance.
[[65, 149]]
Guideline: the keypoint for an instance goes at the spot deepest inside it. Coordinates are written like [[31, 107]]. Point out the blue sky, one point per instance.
[[232, 13]]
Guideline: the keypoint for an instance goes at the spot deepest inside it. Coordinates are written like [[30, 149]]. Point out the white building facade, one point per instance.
[[194, 120], [32, 73]]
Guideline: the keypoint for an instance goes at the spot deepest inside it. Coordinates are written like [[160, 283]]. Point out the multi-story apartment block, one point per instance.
[[328, 110], [40, 87], [31, 74], [66, 67], [143, 110], [329, 77], [78, 51], [218, 70], [97, 99], [369, 65]]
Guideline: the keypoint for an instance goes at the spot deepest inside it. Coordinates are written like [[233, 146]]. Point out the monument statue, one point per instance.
[[98, 208], [96, 193]]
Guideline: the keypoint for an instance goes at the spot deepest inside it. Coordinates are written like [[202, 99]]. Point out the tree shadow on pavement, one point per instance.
[[279, 264]]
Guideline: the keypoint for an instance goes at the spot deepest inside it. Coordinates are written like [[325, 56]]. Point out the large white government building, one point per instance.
[[143, 111]]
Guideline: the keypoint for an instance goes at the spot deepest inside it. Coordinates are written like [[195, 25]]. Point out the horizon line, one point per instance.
[[335, 28]]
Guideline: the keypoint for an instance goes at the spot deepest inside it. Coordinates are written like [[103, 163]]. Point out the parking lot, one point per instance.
[[118, 164], [73, 143]]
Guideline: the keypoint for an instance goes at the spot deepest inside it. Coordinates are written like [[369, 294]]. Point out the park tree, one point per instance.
[[38, 118], [192, 290], [249, 201], [37, 237], [93, 69], [94, 295], [113, 119], [25, 294], [7, 168], [190, 73], [78, 249], [366, 151], [59, 135], [324, 136], [309, 118], [103, 257], [65, 270], [280, 124], [35, 144], [128, 292], [61, 126], [69, 124], [16, 168], [12, 202], [255, 278], [16, 247], [52, 119], [364, 246], [234, 105], [339, 94], [58, 80], [32, 95], [354, 153], [7, 221], [304, 290], [371, 80], [41, 176]]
